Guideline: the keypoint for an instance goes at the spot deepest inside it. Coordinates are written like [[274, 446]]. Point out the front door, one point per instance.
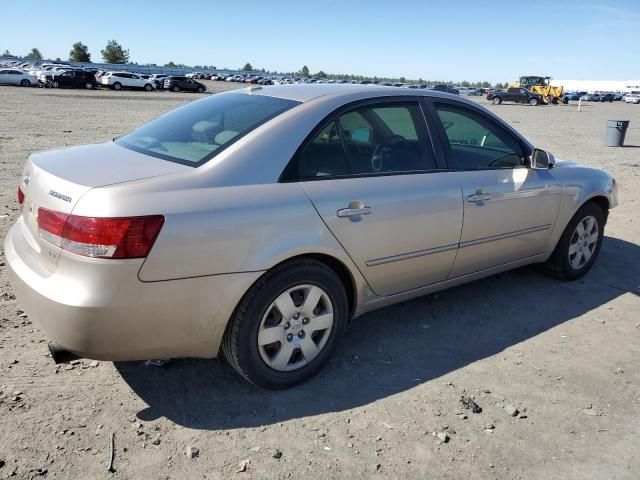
[[372, 175], [509, 209]]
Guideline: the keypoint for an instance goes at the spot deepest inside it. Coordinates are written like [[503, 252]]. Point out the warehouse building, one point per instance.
[[598, 86]]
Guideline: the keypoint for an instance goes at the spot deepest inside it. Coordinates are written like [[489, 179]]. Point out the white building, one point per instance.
[[598, 86]]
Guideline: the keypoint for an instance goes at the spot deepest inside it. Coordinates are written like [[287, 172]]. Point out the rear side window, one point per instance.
[[476, 142], [195, 133], [377, 139]]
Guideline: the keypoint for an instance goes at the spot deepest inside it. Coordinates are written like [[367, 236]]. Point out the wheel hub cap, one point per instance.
[[583, 242], [295, 327]]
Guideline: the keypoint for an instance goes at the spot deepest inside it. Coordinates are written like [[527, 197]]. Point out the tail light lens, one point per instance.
[[129, 237], [20, 196]]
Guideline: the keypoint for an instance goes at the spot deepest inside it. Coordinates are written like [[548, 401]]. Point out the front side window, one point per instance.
[[382, 138], [476, 142], [195, 133]]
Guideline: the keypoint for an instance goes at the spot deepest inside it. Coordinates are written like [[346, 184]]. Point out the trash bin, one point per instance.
[[615, 132]]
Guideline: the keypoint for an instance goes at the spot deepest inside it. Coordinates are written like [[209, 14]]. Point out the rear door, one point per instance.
[[372, 175], [509, 208]]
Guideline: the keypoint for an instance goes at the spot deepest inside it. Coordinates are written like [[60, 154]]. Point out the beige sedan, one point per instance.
[[258, 222]]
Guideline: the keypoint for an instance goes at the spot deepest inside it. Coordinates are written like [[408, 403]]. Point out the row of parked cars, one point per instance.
[[68, 76]]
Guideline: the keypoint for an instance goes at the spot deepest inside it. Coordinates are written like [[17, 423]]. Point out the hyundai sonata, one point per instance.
[[258, 222]]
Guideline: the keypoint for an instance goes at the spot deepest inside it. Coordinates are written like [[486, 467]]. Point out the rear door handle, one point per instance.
[[350, 212]]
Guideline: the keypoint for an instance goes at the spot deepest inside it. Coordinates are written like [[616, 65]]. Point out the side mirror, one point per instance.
[[542, 160]]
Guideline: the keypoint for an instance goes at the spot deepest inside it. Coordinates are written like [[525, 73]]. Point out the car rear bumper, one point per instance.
[[100, 309]]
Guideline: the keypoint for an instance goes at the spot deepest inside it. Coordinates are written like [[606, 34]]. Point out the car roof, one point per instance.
[[310, 91]]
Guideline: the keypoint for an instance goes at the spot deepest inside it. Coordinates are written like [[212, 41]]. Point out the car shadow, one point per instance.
[[390, 350]]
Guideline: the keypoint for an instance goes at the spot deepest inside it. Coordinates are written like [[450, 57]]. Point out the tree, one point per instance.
[[304, 71], [321, 74], [34, 54], [170, 64], [79, 53], [247, 67], [485, 84], [7, 53], [114, 53]]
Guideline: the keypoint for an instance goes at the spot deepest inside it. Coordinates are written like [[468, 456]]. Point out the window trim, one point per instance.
[[291, 172], [430, 105]]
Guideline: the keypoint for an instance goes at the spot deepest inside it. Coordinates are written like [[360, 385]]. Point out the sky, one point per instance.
[[462, 40]]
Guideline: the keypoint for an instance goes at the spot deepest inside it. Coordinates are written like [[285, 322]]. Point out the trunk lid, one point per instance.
[[57, 179]]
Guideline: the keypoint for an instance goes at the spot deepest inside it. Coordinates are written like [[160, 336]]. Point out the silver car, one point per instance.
[[258, 222]]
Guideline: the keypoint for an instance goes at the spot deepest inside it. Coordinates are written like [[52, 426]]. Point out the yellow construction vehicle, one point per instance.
[[541, 85]]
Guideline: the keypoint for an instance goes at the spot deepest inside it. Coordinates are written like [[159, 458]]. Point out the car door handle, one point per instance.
[[479, 197], [350, 212]]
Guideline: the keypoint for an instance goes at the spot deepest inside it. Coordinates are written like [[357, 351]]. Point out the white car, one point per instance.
[[12, 76], [632, 98], [120, 80]]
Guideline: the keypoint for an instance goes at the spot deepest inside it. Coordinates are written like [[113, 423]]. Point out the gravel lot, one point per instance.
[[565, 355]]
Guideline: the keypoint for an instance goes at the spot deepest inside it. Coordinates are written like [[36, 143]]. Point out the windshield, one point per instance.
[[195, 133]]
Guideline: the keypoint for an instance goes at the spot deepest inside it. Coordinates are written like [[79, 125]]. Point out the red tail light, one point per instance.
[[20, 196], [130, 237]]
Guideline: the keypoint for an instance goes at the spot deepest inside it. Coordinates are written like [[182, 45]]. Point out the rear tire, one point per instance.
[[88, 86], [497, 100], [533, 102], [175, 89], [25, 83], [283, 363], [566, 262], [148, 87], [54, 84]]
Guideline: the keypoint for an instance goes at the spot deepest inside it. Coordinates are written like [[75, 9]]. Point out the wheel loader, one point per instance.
[[541, 85]]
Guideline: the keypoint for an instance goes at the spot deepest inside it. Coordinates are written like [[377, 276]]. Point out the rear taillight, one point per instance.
[[130, 237], [20, 196]]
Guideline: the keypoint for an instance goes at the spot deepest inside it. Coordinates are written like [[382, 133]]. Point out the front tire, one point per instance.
[[533, 102], [25, 83], [497, 100], [117, 86], [175, 89], [200, 90], [54, 84], [579, 244], [287, 325], [148, 87], [88, 86]]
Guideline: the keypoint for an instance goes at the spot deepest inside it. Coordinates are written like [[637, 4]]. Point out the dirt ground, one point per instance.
[[566, 356]]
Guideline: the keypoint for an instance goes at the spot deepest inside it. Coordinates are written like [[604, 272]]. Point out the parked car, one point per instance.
[[517, 95], [607, 97], [445, 88], [571, 97], [158, 80], [591, 97], [73, 79], [477, 92], [120, 80], [632, 98], [12, 76], [183, 226], [176, 84]]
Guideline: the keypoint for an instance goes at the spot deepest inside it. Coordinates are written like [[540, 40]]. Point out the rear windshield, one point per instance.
[[195, 133]]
